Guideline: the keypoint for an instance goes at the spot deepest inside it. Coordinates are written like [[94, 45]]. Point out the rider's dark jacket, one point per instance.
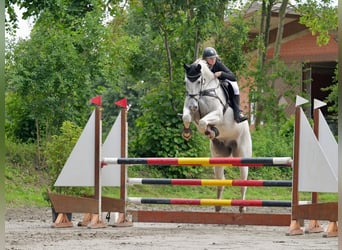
[[226, 73]]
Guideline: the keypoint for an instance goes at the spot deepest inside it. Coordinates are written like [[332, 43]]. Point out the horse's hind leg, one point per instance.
[[219, 149], [211, 132], [219, 174], [244, 149], [243, 176]]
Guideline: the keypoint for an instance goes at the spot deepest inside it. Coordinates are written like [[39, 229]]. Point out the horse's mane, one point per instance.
[[206, 72]]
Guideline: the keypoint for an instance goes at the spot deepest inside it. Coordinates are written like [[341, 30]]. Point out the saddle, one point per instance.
[[228, 92]]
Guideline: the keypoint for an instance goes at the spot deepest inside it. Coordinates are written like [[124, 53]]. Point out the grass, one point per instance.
[[24, 187]]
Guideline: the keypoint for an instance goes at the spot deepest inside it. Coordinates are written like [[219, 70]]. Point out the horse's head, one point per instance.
[[197, 75], [193, 82], [198, 78], [193, 71]]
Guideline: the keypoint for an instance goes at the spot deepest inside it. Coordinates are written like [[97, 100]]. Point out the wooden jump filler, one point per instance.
[[83, 168], [315, 170]]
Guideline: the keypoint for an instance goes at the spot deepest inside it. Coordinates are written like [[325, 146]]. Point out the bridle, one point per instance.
[[205, 92]]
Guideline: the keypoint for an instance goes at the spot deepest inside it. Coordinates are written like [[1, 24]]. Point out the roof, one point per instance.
[[254, 10]]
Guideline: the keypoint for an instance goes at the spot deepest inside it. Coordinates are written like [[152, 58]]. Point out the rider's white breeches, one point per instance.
[[235, 87]]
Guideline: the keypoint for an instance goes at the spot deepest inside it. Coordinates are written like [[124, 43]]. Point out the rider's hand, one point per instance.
[[218, 74]]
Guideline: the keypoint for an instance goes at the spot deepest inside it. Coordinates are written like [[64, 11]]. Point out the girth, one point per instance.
[[212, 93]]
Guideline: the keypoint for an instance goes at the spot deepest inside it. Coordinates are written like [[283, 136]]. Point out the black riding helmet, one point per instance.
[[209, 52]]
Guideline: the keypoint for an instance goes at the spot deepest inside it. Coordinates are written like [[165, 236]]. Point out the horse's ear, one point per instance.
[[186, 66], [198, 68]]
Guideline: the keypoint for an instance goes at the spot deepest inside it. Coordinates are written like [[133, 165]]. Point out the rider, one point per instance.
[[224, 75]]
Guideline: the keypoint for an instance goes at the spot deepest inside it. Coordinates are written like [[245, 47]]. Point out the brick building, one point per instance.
[[299, 50]]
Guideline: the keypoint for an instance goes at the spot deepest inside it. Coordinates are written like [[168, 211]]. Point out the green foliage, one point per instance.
[[332, 98], [57, 152], [23, 180], [273, 140], [21, 155], [232, 42], [264, 90], [71, 57], [167, 31], [158, 133], [119, 80], [191, 22], [18, 124], [313, 12], [268, 142], [32, 8], [23, 187], [52, 75]]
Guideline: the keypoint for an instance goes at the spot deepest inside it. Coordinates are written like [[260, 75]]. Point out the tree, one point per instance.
[[260, 87], [233, 43], [313, 12], [332, 98], [72, 56], [280, 30], [170, 32], [52, 76], [267, 72]]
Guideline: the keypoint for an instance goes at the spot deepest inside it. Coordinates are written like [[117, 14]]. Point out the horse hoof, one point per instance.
[[186, 134], [218, 208], [242, 209], [209, 134]]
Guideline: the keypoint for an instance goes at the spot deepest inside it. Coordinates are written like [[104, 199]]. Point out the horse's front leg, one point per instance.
[[207, 124], [187, 118]]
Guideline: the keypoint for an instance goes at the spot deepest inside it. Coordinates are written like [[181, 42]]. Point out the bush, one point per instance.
[[157, 133], [23, 177], [57, 152], [21, 155], [273, 140]]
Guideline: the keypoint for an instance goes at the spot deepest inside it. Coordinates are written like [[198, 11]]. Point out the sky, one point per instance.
[[25, 26]]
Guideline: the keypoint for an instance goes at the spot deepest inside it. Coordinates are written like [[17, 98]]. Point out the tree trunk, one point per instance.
[[265, 22], [282, 14], [197, 44], [262, 31], [280, 31], [38, 141], [168, 55], [267, 29]]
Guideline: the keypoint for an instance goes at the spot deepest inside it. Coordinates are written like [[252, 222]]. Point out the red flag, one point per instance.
[[122, 103], [96, 100]]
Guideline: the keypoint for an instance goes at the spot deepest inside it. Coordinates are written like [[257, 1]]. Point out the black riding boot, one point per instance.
[[238, 115]]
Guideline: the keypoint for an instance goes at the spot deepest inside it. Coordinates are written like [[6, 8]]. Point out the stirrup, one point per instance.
[[241, 118]]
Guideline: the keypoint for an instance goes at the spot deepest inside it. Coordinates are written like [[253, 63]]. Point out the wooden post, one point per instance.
[[122, 220], [295, 228], [314, 195], [123, 192], [96, 219], [314, 226], [97, 156]]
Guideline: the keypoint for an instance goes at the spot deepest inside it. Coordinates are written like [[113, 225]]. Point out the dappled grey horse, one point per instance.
[[207, 106]]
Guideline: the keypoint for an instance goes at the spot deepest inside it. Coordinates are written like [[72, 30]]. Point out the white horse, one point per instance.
[[207, 106]]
